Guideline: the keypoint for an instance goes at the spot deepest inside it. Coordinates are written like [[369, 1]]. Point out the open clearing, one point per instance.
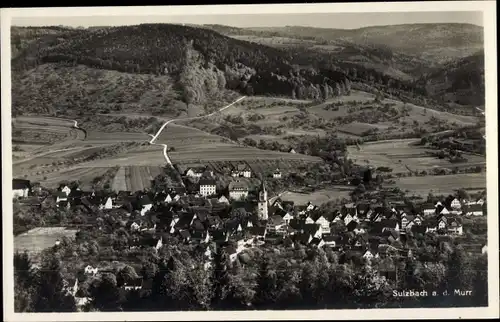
[[317, 197], [400, 154], [446, 184], [38, 239], [192, 145]]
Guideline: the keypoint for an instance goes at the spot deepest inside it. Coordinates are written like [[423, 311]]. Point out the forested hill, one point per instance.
[[202, 60], [438, 42], [460, 81]]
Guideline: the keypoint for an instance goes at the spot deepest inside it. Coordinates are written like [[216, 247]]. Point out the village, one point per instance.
[[240, 218]]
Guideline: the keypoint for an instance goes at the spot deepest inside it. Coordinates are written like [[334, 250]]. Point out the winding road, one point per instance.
[[154, 137]]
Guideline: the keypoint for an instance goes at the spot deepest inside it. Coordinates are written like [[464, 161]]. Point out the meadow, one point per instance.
[[36, 240]]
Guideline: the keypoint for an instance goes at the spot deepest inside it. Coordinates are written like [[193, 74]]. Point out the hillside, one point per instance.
[[436, 43], [460, 81], [199, 62]]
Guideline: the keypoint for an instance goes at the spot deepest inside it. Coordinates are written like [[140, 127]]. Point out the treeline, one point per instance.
[[285, 277]]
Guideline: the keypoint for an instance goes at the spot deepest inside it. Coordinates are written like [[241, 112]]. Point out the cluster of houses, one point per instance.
[[239, 221]]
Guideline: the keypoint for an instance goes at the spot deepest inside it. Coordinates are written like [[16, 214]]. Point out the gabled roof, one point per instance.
[[311, 228], [275, 220], [330, 238], [20, 184], [144, 200], [352, 225], [257, 231], [207, 182], [237, 185], [199, 169]]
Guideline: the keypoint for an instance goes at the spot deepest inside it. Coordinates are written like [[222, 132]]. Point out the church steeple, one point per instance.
[[262, 202]]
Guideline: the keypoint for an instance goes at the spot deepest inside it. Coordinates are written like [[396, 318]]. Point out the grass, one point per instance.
[[401, 155], [317, 197], [53, 87], [82, 174], [135, 178], [447, 184], [192, 145], [38, 239]]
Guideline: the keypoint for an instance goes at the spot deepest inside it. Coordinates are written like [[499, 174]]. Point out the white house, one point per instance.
[[224, 200], [441, 223], [484, 249], [20, 188], [145, 204], [287, 218], [238, 190], [66, 190], [207, 187], [277, 174], [444, 211], [456, 204], [89, 270], [309, 220], [242, 170], [324, 223], [196, 172], [61, 196], [292, 151], [347, 219], [369, 255], [108, 204]]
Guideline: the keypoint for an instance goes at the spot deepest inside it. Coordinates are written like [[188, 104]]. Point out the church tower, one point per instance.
[[262, 202]]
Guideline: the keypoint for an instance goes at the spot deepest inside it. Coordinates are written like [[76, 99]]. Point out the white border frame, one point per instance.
[[489, 17]]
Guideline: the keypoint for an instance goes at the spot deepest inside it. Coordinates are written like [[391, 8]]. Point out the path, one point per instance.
[[154, 137]]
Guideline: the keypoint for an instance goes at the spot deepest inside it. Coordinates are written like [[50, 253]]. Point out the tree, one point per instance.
[[266, 284], [126, 275], [104, 294], [24, 283], [51, 292], [220, 277], [480, 282], [462, 194]]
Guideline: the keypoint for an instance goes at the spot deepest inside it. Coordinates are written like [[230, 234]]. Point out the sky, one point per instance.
[[322, 20]]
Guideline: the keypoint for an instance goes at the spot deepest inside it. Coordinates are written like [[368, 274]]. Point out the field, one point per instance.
[[446, 184], [401, 155], [135, 178], [191, 145], [84, 175], [38, 239], [317, 197], [353, 115]]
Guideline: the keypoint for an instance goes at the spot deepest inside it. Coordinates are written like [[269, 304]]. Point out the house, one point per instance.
[[134, 284], [442, 223], [20, 188], [89, 270], [331, 240], [370, 254], [207, 187], [428, 209], [484, 249], [65, 189], [324, 223], [276, 224], [242, 170], [291, 150], [473, 210], [455, 227], [223, 200], [61, 196], [317, 242], [145, 204], [277, 174], [195, 172], [107, 204], [390, 224], [313, 229], [259, 232], [238, 190], [456, 204]]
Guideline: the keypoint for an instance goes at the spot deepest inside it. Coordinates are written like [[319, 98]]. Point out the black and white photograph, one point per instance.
[[281, 160]]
